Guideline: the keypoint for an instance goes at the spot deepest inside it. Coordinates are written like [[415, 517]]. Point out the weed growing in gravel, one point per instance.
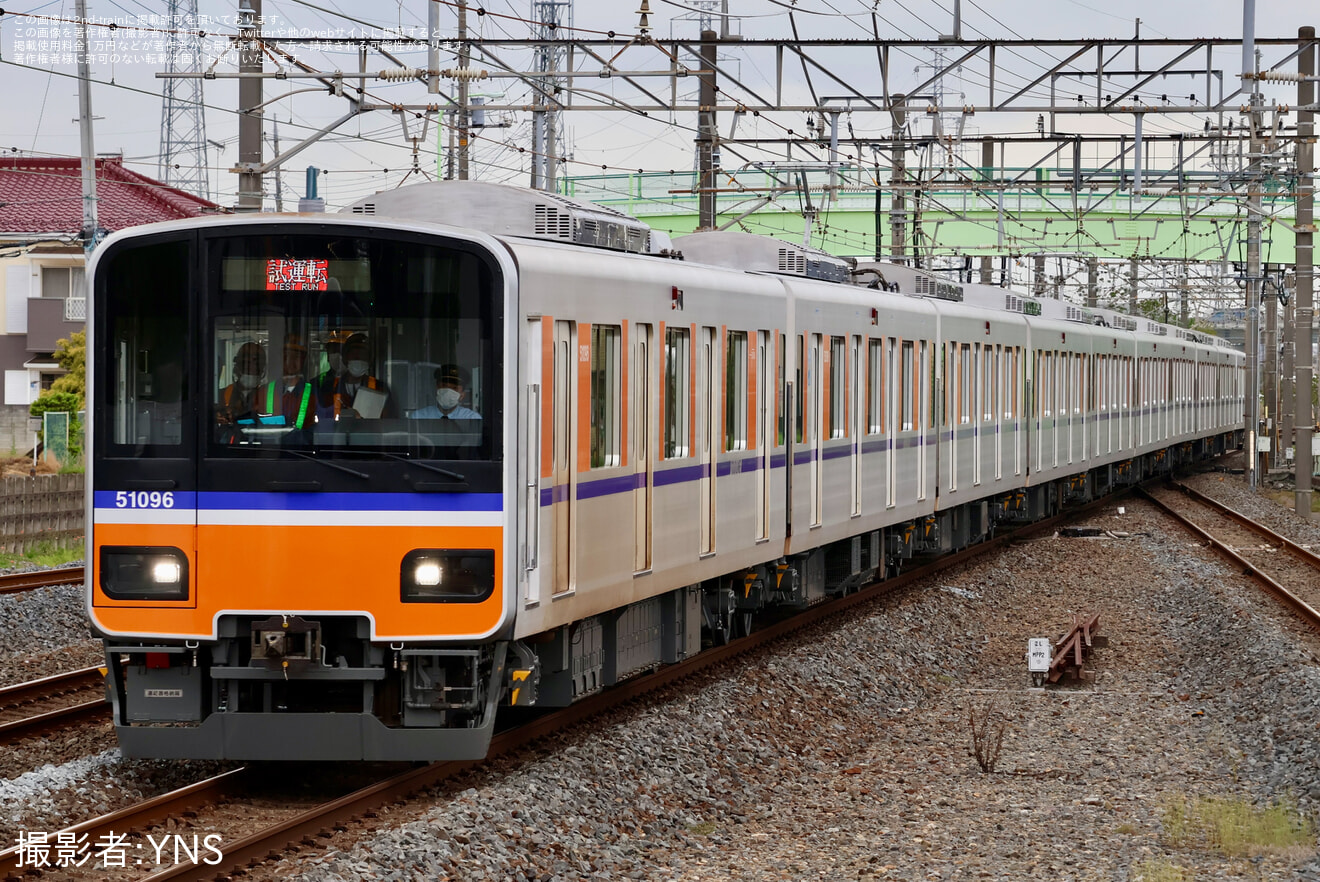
[[987, 727], [1160, 870], [1234, 826], [705, 828]]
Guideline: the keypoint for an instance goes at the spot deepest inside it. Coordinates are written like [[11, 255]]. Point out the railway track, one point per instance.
[[215, 807], [51, 703], [1289, 571], [16, 583]]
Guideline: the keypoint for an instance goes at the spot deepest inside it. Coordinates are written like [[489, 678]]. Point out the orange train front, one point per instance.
[[298, 460]]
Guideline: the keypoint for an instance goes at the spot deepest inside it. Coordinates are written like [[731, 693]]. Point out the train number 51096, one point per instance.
[[144, 499]]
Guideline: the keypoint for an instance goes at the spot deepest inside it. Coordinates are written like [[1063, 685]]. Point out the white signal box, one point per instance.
[[1039, 655]]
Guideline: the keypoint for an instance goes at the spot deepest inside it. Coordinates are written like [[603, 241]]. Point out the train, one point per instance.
[[359, 482]]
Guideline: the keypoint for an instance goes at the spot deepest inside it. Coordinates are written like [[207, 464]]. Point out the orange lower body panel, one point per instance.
[[304, 570]]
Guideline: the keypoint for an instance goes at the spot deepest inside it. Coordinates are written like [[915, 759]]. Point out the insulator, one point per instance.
[[465, 73], [400, 73]]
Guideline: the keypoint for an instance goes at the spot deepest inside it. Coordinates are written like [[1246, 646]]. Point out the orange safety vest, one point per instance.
[[369, 381]]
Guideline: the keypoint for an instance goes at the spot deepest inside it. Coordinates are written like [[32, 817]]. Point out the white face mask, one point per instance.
[[336, 362], [249, 381], [291, 380], [357, 368], [447, 398]]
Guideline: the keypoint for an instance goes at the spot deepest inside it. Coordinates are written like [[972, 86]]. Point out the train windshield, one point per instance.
[[351, 346]]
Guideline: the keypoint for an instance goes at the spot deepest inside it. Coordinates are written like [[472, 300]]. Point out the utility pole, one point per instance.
[[85, 130], [550, 18], [706, 134], [279, 177], [1270, 303], [1092, 280], [897, 199], [1038, 273], [1305, 311], [1252, 338], [250, 61], [464, 111], [1132, 287], [1287, 375], [1184, 300]]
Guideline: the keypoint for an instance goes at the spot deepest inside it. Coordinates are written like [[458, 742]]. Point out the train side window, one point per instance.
[[800, 389], [735, 391], [875, 402], [780, 358], [678, 392], [908, 385], [606, 402], [838, 387]]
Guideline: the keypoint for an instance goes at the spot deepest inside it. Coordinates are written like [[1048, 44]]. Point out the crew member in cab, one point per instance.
[[290, 397], [236, 399], [451, 383], [355, 392]]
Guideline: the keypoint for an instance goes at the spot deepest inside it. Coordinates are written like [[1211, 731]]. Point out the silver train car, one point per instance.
[[656, 442]]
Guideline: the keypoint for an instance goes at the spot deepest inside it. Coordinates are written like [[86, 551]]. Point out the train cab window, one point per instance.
[[144, 333], [800, 405], [606, 403], [735, 391], [678, 392], [353, 345]]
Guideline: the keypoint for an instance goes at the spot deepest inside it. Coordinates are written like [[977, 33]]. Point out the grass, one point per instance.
[[1161, 870], [46, 554], [1236, 827], [705, 828]]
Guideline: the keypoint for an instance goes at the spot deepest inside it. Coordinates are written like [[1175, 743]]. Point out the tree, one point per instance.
[[71, 353], [68, 394]]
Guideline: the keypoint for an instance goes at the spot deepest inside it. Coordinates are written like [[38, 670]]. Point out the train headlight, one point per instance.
[[447, 575], [138, 572]]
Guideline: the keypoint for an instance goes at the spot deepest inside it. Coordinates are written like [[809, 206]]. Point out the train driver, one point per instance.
[[450, 388], [292, 397], [355, 392], [249, 370]]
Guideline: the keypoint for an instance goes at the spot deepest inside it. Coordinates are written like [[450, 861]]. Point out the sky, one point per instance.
[[370, 152]]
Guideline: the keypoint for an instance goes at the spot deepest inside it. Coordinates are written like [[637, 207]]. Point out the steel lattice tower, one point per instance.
[[552, 21], [183, 160]]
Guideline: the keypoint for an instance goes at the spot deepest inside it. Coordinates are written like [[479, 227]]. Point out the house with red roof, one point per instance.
[[42, 284]]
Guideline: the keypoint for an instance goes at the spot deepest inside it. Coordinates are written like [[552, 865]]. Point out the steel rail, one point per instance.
[[134, 817], [46, 687], [55, 719], [13, 583], [1292, 601]]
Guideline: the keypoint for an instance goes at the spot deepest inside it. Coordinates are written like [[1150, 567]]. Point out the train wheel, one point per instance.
[[743, 621]]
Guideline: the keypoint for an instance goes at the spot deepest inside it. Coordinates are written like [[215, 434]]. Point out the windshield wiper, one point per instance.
[[403, 459], [328, 463]]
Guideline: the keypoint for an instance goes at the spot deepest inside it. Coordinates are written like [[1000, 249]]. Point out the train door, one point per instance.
[[857, 389], [563, 504], [762, 395], [535, 352], [815, 428], [642, 433], [921, 412], [708, 409]]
